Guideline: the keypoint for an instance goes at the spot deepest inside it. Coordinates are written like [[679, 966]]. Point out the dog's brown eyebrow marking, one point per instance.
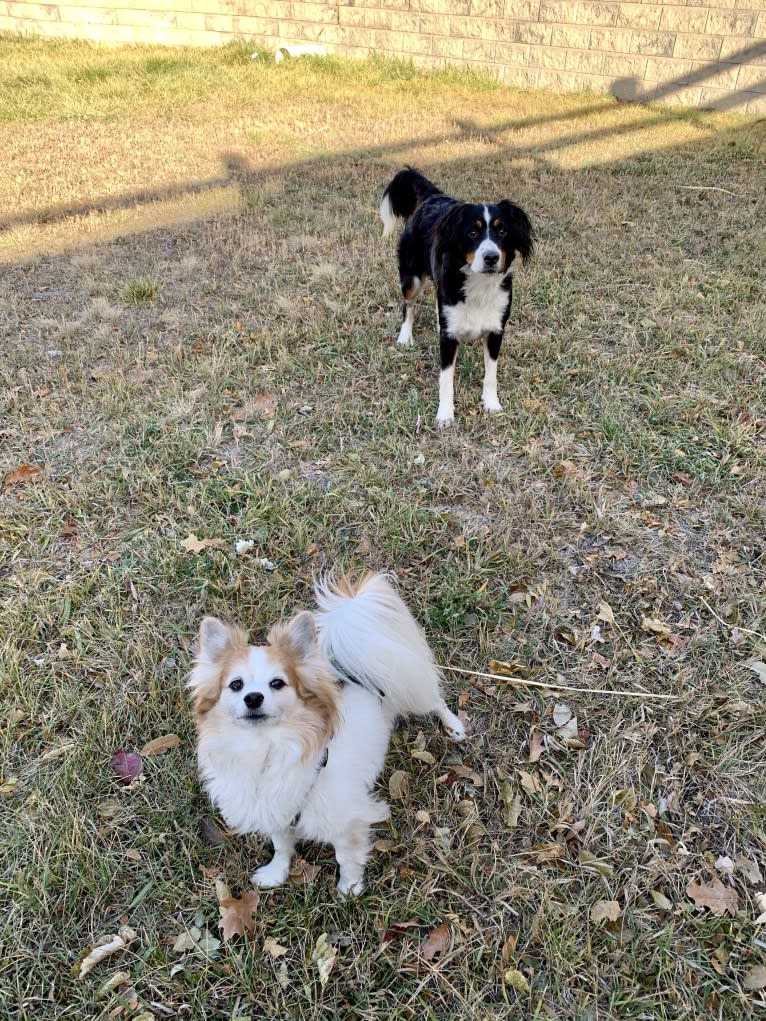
[[479, 223], [497, 223]]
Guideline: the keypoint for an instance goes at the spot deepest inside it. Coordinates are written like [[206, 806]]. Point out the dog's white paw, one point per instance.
[[405, 338], [492, 405], [456, 731], [444, 419], [267, 876], [350, 889], [454, 728]]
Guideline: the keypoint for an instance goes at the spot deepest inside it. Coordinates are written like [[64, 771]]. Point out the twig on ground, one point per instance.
[[561, 687]]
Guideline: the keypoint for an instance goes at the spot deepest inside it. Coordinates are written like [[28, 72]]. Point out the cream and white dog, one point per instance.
[[292, 735]]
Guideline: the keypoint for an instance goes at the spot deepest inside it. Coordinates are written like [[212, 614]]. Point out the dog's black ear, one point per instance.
[[449, 231], [520, 229]]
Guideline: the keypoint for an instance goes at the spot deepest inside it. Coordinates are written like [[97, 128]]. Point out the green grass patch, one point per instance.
[[198, 322]]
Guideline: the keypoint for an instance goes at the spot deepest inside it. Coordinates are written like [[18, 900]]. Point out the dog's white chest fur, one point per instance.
[[482, 311], [258, 784]]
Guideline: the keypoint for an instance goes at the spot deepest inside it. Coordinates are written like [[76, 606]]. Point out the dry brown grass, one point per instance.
[[627, 470]]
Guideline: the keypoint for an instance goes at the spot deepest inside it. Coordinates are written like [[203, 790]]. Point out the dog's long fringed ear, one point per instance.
[[215, 640], [449, 230], [301, 635], [521, 232]]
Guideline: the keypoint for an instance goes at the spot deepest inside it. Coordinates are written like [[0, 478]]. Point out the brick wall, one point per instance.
[[692, 52]]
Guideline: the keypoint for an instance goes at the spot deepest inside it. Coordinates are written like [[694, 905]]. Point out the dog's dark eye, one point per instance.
[[237, 684], [277, 683], [501, 232], [473, 234]]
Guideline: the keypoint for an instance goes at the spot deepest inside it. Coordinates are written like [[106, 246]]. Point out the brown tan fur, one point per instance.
[[211, 671], [294, 651], [307, 671]]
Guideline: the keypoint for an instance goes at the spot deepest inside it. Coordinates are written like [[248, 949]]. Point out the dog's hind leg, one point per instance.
[[410, 287], [454, 727], [351, 853], [275, 873]]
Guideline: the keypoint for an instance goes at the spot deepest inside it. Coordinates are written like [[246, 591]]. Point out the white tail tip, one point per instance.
[[387, 216]]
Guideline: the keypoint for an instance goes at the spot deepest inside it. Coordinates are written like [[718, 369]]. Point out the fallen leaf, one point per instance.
[[23, 474], [590, 861], [383, 845], [759, 668], [536, 745], [422, 756], [661, 901], [243, 546], [760, 900], [423, 817], [185, 941], [530, 783], [655, 626], [468, 774], [755, 978], [714, 895], [400, 929], [211, 834], [302, 872], [127, 765], [194, 545], [562, 714], [511, 805], [120, 978], [605, 613], [605, 910], [516, 980], [549, 851], [749, 869], [509, 948], [222, 891], [237, 914], [265, 405], [109, 946], [436, 942], [725, 865], [160, 745], [273, 949], [398, 783], [324, 955]]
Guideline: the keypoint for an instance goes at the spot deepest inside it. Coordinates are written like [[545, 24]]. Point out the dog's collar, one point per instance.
[[346, 678]]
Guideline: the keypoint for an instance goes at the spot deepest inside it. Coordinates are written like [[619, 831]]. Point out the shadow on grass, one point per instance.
[[238, 172]]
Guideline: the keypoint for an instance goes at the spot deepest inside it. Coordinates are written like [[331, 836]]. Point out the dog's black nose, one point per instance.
[[253, 699], [491, 260]]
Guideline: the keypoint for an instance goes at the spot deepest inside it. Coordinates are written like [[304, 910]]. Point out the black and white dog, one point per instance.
[[467, 250]]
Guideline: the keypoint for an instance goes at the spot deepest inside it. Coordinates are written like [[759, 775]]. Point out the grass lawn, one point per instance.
[[197, 325]]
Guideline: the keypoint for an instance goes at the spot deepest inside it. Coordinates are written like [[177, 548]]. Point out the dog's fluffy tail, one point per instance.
[[403, 195], [371, 638]]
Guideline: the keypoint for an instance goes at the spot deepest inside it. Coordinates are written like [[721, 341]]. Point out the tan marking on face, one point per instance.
[[314, 682], [409, 293], [233, 656], [470, 257]]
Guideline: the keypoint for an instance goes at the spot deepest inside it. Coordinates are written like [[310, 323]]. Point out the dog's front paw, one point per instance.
[[492, 405], [346, 888], [445, 418], [269, 875]]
